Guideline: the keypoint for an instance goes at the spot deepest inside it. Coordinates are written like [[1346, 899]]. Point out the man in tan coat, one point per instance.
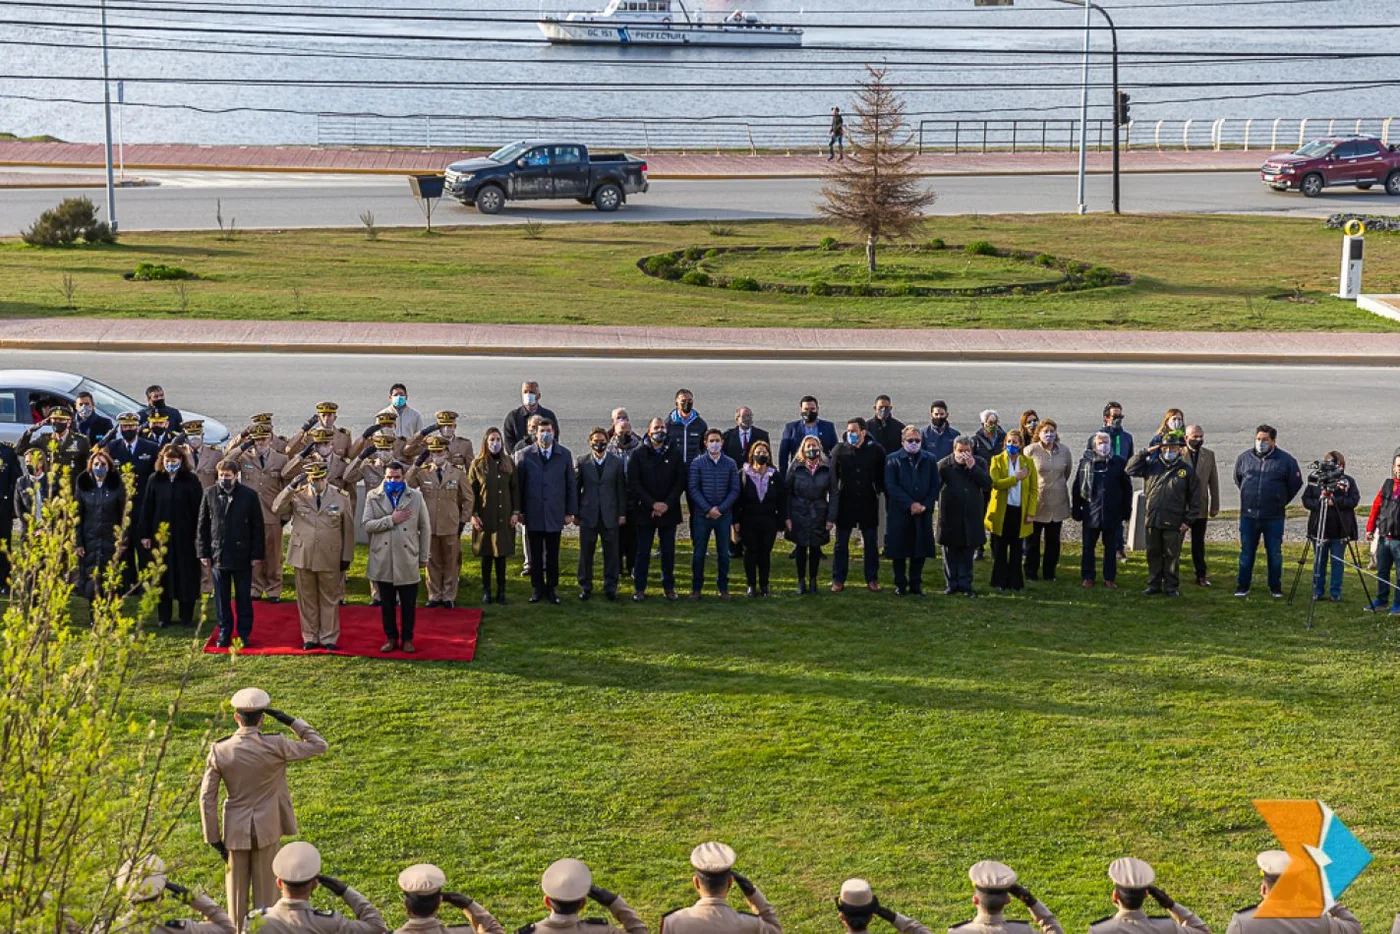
[[1202, 461], [857, 904], [322, 547], [298, 871], [257, 812], [568, 885], [994, 885], [277, 442], [448, 496], [1272, 863], [261, 471], [400, 537], [459, 449], [714, 876], [422, 887], [145, 885], [325, 417], [1132, 883], [319, 446]]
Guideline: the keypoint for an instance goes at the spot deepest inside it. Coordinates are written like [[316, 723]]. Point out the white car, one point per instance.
[[26, 392]]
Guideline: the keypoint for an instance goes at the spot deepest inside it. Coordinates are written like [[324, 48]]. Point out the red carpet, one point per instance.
[[438, 635]]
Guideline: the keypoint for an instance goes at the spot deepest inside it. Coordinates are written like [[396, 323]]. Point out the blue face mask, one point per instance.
[[853, 437], [393, 487], [400, 401], [1012, 450]]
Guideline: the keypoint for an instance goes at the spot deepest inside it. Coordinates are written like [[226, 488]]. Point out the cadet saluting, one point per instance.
[[568, 885], [422, 886], [145, 884], [1272, 863], [1132, 883], [857, 905], [714, 876], [258, 805], [995, 885], [298, 869], [321, 549]]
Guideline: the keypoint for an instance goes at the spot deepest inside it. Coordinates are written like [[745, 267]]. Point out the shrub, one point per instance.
[[862, 290], [827, 244], [712, 252], [371, 229], [671, 273], [937, 244], [744, 284], [819, 288], [1096, 276], [696, 277], [159, 272], [1044, 259], [716, 229], [73, 219], [899, 290], [655, 264], [532, 229], [692, 253], [980, 248]]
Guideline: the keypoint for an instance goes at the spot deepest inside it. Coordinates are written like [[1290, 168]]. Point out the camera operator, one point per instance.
[[1328, 482], [1385, 520]]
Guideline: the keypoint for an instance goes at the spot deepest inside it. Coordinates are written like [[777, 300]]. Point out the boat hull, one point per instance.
[[565, 32]]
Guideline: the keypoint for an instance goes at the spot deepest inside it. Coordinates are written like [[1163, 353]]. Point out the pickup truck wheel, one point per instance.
[[490, 199], [607, 198], [1311, 185], [1365, 186], [1392, 183]]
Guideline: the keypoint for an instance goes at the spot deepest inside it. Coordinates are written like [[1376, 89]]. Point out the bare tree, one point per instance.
[[875, 191]]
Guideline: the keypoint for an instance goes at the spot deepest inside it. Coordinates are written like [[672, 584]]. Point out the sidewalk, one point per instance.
[[662, 165], [224, 336]]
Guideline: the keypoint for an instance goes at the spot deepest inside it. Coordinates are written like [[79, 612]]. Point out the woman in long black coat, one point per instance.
[[963, 482], [758, 515], [172, 498], [101, 502], [811, 513]]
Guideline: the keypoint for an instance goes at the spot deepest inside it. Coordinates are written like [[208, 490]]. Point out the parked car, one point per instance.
[[539, 169], [1360, 161], [26, 394]]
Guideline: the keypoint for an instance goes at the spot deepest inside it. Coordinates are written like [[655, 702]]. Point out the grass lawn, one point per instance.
[[942, 269], [1207, 273], [896, 739]]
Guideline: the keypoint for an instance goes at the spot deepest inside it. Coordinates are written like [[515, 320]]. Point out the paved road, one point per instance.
[[1313, 407], [187, 200]]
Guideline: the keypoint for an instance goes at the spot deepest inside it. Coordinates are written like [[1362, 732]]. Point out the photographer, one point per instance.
[[1328, 483], [1385, 520]]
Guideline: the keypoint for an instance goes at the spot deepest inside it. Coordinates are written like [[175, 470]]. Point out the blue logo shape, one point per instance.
[[1341, 857], [622, 35]]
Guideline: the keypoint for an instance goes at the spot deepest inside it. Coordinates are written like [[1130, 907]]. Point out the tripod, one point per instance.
[[1323, 558]]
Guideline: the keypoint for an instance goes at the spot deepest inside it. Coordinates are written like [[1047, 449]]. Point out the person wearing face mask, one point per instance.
[[408, 421], [320, 551], [10, 472], [447, 495], [808, 424], [938, 434], [87, 421], [1029, 425], [35, 487], [158, 431], [714, 488], [101, 510], [1268, 479], [325, 417], [231, 541], [368, 466], [811, 512], [516, 420], [1015, 496], [759, 513], [400, 536], [1054, 466], [257, 422], [739, 440], [1330, 541], [963, 484], [203, 458], [686, 429], [602, 512], [884, 428], [858, 480], [172, 502], [495, 486], [548, 502], [383, 427], [132, 452], [988, 441], [1173, 420], [1171, 501], [318, 447], [1120, 443], [1202, 461], [656, 479], [1100, 497], [1383, 524], [911, 490], [459, 449], [262, 472], [155, 404], [67, 449], [623, 443]]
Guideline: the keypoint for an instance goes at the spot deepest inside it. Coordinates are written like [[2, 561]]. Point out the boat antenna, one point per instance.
[[688, 20]]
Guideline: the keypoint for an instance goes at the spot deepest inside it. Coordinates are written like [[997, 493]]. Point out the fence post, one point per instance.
[[1330, 124], [1385, 131], [984, 136], [1013, 137], [428, 130], [646, 136], [1247, 124], [1043, 125], [1157, 136], [957, 133], [1098, 147], [1128, 135], [753, 150], [1357, 131], [1273, 138], [1302, 133], [1186, 135], [921, 137]]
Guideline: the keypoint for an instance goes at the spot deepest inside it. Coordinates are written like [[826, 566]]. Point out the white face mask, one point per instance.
[[1261, 447], [715, 447], [494, 445], [1174, 424], [1101, 450], [531, 398]]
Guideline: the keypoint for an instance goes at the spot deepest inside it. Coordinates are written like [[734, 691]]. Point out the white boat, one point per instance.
[[666, 23]]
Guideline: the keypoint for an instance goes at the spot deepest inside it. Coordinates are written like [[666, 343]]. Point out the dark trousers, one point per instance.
[[1333, 551], [5, 523], [701, 528], [544, 560], [1006, 552], [1387, 559], [405, 596], [1198, 545], [641, 567], [627, 546], [758, 541], [588, 539], [957, 568], [809, 559], [1088, 566], [1251, 530], [1034, 568], [499, 566], [913, 581], [234, 586], [164, 604], [1164, 559], [841, 560]]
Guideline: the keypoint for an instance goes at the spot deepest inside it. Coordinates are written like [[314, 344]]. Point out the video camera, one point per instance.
[[1326, 475]]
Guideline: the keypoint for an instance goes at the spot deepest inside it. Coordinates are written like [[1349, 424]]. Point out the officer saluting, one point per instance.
[[145, 885], [459, 449], [326, 413], [257, 814], [568, 885], [1272, 863], [714, 876], [298, 870], [1132, 882], [857, 905], [994, 886], [204, 458], [447, 494], [321, 549], [422, 886]]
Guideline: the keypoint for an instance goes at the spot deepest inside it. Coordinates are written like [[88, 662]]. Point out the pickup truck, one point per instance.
[[539, 169], [1362, 161]]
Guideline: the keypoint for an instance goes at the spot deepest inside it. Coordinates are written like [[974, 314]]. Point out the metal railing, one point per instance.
[[959, 136]]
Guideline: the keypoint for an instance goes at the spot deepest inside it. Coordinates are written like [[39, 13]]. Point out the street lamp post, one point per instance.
[[1084, 119], [107, 126]]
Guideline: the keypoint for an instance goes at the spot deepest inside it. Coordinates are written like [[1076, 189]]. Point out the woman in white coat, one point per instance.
[[1054, 466]]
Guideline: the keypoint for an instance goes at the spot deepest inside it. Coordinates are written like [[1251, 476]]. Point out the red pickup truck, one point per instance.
[[1360, 161]]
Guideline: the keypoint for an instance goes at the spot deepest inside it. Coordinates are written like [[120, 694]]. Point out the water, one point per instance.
[[504, 69]]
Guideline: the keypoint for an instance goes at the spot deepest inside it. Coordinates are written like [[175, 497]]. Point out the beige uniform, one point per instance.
[[291, 915], [572, 924], [257, 812], [263, 475], [335, 467], [340, 444], [713, 915], [459, 449], [216, 921], [278, 442], [986, 923], [448, 496], [367, 444], [482, 922], [1137, 922], [907, 925], [323, 537], [1336, 920]]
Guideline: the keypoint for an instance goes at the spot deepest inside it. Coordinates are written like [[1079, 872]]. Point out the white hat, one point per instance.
[[143, 879], [567, 880], [1273, 862], [992, 875], [251, 700], [856, 893], [297, 863], [422, 879], [1129, 873], [712, 858]]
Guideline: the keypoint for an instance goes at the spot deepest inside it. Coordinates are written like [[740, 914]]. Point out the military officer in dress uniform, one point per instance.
[[262, 472], [65, 447], [568, 885], [994, 885], [319, 447], [383, 426], [204, 458], [298, 871], [714, 876], [257, 813], [459, 449], [1335, 920], [448, 498], [857, 904], [158, 430], [422, 886], [325, 417], [256, 420], [1132, 882], [321, 549], [145, 885]]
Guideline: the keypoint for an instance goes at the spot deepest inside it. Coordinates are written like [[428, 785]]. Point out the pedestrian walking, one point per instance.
[[837, 138]]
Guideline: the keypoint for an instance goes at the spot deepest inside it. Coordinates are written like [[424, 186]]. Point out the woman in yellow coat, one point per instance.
[[1009, 515]]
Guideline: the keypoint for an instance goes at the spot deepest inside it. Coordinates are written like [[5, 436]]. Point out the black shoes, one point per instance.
[[309, 646], [485, 597]]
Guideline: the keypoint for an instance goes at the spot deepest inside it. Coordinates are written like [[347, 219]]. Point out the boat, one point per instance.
[[664, 23]]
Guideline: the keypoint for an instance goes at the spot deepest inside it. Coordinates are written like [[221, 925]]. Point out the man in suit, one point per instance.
[[1208, 475], [261, 471], [549, 501], [231, 542], [741, 438], [129, 449], [656, 478], [516, 420], [257, 812], [602, 509], [155, 402], [808, 424], [87, 421]]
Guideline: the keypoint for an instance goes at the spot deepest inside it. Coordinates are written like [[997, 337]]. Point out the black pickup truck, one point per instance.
[[538, 169]]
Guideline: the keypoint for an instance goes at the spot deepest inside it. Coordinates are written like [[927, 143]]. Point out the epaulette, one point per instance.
[[179, 925], [1103, 919], [323, 912], [671, 912], [222, 738], [527, 929], [961, 924], [747, 914], [595, 921]]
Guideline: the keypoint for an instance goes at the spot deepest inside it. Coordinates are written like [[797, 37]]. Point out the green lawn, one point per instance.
[[1207, 273], [857, 734], [941, 269]]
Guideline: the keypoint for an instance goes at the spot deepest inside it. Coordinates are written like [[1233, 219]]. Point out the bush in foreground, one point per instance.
[[74, 219]]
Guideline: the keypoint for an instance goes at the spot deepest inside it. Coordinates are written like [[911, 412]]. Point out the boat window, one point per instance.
[[565, 155]]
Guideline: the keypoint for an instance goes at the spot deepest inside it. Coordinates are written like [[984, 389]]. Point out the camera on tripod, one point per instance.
[[1327, 475]]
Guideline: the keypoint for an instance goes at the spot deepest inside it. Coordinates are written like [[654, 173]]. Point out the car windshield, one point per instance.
[[509, 152], [1318, 147], [106, 399]]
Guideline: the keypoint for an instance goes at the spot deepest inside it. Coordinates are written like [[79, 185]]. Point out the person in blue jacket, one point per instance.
[[810, 423], [911, 490], [1268, 478]]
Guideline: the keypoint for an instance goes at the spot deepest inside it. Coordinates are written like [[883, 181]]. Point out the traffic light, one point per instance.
[[1120, 114]]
